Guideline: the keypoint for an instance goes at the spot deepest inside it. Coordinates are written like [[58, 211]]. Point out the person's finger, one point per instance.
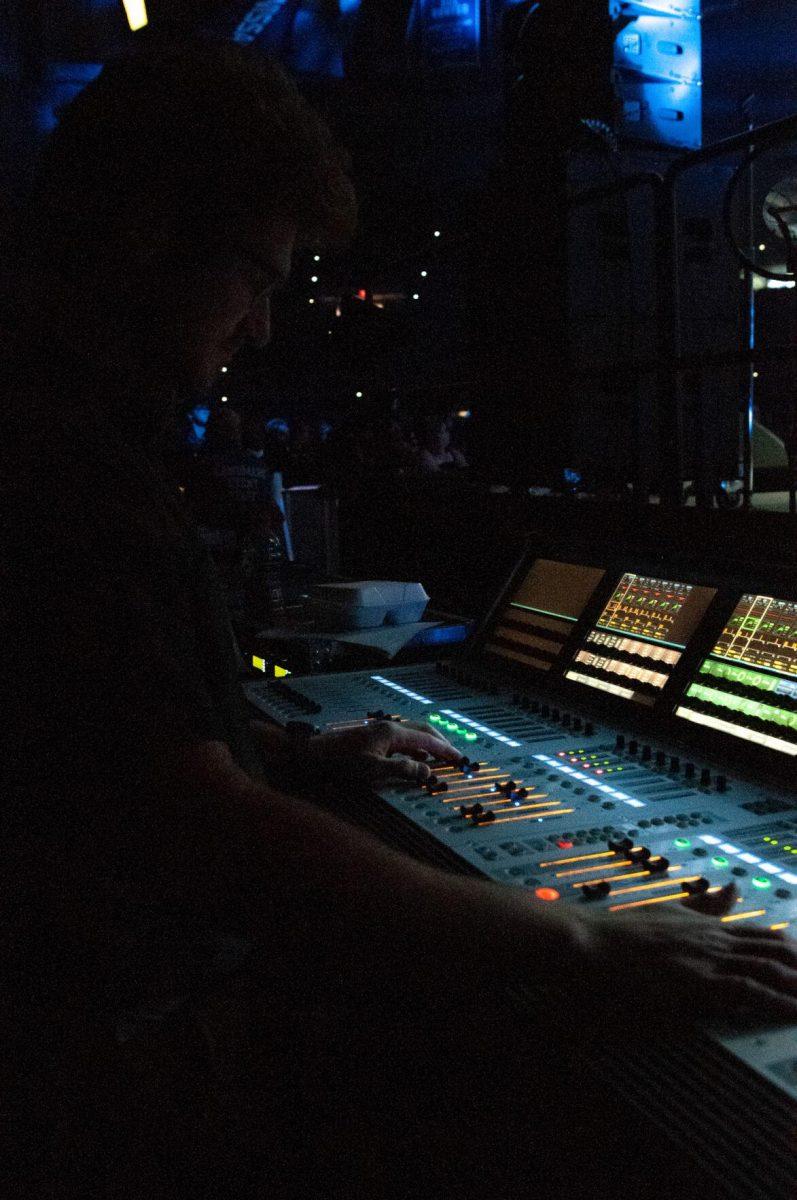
[[783, 951], [713, 903], [740, 991], [376, 767], [404, 740], [759, 931], [775, 975]]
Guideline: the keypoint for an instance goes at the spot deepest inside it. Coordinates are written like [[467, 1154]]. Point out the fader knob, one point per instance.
[[595, 891], [689, 770], [661, 758], [696, 887], [705, 777], [633, 746], [675, 762], [638, 854], [646, 753], [620, 742], [721, 783]]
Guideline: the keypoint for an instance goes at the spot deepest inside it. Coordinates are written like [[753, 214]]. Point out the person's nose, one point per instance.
[[257, 324]]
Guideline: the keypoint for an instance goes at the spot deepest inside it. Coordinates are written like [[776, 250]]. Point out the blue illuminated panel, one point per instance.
[[658, 70]]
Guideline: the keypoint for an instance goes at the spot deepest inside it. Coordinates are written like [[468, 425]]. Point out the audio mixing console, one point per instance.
[[675, 782]]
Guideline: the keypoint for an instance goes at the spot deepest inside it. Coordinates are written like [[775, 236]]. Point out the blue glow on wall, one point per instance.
[[347, 7], [451, 31]]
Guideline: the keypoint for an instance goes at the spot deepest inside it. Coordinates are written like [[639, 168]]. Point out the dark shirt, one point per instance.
[[116, 649]]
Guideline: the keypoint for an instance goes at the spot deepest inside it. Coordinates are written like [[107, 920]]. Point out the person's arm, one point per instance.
[[339, 900]]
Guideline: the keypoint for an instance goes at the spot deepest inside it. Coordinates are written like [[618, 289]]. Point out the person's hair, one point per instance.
[[215, 127]]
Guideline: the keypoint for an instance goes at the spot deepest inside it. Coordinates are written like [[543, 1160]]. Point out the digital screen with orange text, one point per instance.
[[640, 637]]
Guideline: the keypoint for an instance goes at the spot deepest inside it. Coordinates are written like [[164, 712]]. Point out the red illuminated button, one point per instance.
[[563, 844], [545, 893]]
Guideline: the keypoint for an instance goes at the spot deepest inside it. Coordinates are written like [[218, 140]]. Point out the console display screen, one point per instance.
[[535, 624], [747, 687], [640, 637]]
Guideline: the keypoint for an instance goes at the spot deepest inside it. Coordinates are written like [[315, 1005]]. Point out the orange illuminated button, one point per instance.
[[546, 893], [563, 844]]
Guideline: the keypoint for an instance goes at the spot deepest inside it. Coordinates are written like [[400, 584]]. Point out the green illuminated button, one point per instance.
[[719, 860], [471, 737], [761, 881], [683, 843], [435, 718]]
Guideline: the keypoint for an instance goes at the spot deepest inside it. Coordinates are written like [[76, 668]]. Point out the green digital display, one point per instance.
[[747, 687]]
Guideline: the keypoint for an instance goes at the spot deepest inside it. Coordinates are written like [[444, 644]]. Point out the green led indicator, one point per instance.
[[719, 860], [471, 737], [761, 881], [435, 718], [683, 843]]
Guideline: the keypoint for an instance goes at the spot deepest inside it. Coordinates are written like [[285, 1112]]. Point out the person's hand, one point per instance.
[[382, 749], [684, 964]]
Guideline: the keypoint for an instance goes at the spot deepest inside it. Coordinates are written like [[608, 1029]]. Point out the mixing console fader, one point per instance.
[[581, 804]]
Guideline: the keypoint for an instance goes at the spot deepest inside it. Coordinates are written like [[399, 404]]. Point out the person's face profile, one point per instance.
[[223, 301]]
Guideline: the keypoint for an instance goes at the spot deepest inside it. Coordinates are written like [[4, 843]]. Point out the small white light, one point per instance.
[[224, 370], [311, 300], [314, 279], [424, 274], [755, 374], [316, 258], [224, 399], [415, 296], [437, 233], [359, 395], [762, 246]]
